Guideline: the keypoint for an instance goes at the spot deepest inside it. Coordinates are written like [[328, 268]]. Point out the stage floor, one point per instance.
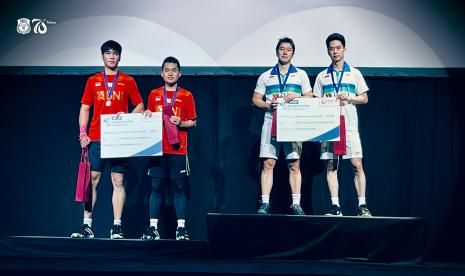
[[235, 248]]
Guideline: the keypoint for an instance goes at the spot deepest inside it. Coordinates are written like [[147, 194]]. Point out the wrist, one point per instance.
[[82, 130]]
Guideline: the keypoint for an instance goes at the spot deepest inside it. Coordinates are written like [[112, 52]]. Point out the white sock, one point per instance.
[[335, 201], [296, 199], [88, 221], [154, 223], [362, 200], [181, 223], [266, 199], [117, 222]]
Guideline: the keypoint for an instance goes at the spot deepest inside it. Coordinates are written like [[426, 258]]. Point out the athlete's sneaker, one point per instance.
[[116, 232], [363, 211], [296, 209], [181, 234], [334, 210], [151, 234], [265, 209], [85, 232]]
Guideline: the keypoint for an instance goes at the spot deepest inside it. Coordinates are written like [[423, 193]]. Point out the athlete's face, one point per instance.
[[111, 59], [285, 53], [170, 73], [336, 51]]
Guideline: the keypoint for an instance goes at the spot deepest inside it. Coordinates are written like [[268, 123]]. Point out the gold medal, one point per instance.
[[108, 103]]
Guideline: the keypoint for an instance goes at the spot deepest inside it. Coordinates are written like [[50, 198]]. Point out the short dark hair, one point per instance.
[[285, 40], [171, 60], [335, 36], [111, 45]]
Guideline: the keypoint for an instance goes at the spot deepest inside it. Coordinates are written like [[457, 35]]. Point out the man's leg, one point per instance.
[[359, 176], [295, 177], [154, 209], [331, 177], [360, 186], [267, 176], [266, 183], [295, 180], [89, 206], [119, 194], [333, 186]]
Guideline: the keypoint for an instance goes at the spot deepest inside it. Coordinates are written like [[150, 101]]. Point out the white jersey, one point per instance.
[[352, 83], [269, 83]]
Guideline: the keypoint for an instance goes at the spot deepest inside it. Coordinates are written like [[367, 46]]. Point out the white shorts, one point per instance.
[[353, 147], [269, 148]]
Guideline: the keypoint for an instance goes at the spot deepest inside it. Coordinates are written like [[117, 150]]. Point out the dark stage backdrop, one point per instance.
[[412, 132]]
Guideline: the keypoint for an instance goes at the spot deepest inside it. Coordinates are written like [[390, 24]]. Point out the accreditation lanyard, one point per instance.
[[282, 84], [336, 87], [110, 89], [174, 95]]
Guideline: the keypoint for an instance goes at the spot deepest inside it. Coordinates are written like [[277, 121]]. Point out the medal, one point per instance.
[[110, 87]]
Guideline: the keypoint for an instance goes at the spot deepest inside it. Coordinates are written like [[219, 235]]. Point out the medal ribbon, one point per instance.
[[110, 90]]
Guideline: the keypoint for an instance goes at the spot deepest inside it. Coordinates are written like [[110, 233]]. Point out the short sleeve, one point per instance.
[[88, 97], [133, 92], [318, 87], [362, 87], [261, 84], [191, 114]]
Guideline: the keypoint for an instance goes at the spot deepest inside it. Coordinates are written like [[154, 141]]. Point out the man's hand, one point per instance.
[[147, 113], [175, 120], [290, 96], [84, 140]]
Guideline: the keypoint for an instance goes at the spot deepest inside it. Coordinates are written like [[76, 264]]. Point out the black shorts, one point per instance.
[[97, 164], [169, 166]]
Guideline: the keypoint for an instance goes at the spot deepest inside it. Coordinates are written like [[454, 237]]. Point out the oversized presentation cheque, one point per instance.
[[131, 135], [308, 119]]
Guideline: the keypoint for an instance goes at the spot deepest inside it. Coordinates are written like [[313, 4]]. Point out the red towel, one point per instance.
[[83, 178], [274, 122], [170, 128], [340, 146], [273, 125]]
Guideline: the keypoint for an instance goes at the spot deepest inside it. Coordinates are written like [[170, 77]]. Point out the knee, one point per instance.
[[179, 185], [331, 166], [117, 180], [357, 166], [157, 184], [268, 164], [95, 177], [294, 167]]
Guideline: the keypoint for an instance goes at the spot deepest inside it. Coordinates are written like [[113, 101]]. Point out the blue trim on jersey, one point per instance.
[[346, 86], [345, 68], [289, 87], [274, 71]]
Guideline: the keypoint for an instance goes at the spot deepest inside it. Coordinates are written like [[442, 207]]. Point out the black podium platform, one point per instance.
[[377, 239]]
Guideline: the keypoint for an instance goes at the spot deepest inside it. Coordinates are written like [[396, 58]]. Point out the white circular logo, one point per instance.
[[24, 26]]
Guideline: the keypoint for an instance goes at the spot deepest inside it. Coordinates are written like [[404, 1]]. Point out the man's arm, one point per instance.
[[138, 108], [359, 99], [83, 121], [308, 94], [257, 100]]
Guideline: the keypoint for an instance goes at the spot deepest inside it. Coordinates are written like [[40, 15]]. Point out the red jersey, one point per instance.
[[95, 94], [184, 107]]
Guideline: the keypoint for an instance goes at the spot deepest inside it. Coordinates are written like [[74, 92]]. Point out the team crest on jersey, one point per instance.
[[24, 26], [98, 83], [157, 98]]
